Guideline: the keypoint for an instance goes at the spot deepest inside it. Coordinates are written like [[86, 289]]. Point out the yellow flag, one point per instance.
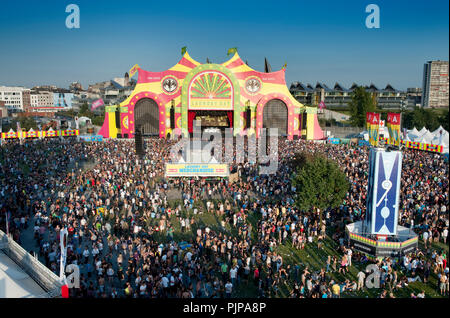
[[133, 70], [232, 50]]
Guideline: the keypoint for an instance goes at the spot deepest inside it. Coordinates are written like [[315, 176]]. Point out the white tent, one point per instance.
[[423, 131], [437, 132], [412, 134], [425, 138]]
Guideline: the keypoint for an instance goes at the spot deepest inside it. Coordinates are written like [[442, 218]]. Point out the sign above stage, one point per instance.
[[196, 170], [210, 90]]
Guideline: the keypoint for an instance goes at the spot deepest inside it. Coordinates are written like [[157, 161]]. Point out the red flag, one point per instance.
[[97, 103], [322, 105], [65, 291]]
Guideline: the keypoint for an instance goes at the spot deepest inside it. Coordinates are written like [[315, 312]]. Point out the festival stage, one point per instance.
[[227, 95]]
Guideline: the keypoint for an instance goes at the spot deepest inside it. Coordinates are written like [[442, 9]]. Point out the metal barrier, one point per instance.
[[43, 276]]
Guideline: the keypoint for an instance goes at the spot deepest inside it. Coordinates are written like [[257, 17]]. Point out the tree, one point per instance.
[[25, 123], [421, 117], [319, 183], [85, 111], [98, 120], [444, 120], [360, 104]]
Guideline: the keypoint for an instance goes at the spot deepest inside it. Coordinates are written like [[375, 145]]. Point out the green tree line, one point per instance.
[[363, 102]]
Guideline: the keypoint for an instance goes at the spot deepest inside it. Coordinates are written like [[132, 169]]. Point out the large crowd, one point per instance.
[[135, 233]]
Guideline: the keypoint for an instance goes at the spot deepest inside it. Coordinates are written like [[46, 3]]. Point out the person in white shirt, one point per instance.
[[444, 235], [425, 238], [165, 282], [361, 277], [228, 289], [349, 256], [233, 275]]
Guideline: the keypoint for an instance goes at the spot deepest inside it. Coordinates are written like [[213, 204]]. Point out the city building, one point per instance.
[[15, 98], [339, 96], [75, 87], [41, 99], [390, 98], [435, 84], [3, 109], [112, 92], [413, 97]]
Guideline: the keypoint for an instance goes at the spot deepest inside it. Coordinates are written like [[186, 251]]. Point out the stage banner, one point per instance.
[[362, 142], [197, 170], [374, 129], [368, 120], [393, 125], [384, 191], [91, 138], [210, 90], [334, 141]]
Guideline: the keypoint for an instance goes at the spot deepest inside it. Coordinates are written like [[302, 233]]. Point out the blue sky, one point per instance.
[[323, 40]]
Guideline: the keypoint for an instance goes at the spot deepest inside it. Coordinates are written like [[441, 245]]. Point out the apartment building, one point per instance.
[[435, 84]]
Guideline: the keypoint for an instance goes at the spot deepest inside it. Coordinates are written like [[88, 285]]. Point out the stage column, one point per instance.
[[310, 111], [111, 111]]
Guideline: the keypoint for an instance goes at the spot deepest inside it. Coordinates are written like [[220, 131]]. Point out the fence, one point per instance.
[[43, 276], [342, 132], [39, 133]]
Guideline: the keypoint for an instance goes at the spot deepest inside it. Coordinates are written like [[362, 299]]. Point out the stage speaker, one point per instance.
[[248, 119], [117, 118], [138, 142], [172, 118]]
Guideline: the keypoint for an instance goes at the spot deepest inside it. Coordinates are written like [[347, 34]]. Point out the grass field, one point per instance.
[[311, 256]]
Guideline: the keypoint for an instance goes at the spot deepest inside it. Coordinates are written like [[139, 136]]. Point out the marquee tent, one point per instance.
[[423, 136]]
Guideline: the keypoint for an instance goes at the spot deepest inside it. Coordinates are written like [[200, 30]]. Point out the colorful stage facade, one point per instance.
[[242, 97]]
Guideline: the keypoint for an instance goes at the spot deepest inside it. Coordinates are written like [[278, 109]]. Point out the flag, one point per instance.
[[285, 65], [19, 130], [322, 105], [393, 125], [133, 70], [63, 244], [233, 50], [100, 210], [97, 103], [368, 120], [374, 129], [7, 222], [65, 291], [183, 50]]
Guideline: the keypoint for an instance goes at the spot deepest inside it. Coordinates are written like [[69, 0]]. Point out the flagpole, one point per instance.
[[7, 224]]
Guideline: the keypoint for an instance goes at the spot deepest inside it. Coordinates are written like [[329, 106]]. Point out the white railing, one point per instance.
[[48, 280]]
